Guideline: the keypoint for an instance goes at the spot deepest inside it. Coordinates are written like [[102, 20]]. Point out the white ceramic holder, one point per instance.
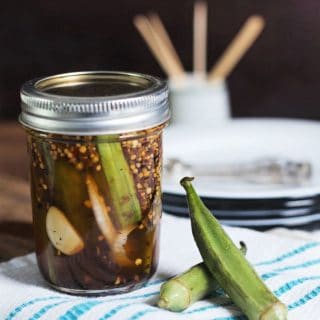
[[198, 103]]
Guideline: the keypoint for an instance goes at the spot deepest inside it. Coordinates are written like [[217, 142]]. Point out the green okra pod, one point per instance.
[[121, 184], [69, 194], [180, 292], [228, 266]]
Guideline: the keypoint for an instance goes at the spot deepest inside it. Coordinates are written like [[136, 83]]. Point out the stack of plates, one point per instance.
[[241, 203]]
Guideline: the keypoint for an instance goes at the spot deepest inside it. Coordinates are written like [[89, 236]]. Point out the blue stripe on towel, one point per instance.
[[78, 310], [47, 308], [22, 306], [300, 265], [306, 298], [141, 313], [114, 311], [276, 272], [288, 286], [290, 254]]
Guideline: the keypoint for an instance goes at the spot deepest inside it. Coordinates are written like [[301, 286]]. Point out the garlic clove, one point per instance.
[[61, 233], [101, 211]]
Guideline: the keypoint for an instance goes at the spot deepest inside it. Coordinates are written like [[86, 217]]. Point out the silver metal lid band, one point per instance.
[[92, 115]]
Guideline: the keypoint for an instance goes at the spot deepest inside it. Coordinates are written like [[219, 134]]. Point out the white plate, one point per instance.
[[246, 140]]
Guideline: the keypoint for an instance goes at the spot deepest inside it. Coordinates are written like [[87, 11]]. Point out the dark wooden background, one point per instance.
[[279, 76], [15, 203]]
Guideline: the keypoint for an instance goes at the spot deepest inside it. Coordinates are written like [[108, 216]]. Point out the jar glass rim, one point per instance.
[[47, 87]]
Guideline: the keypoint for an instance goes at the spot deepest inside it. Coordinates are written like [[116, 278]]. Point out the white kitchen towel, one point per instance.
[[290, 267]]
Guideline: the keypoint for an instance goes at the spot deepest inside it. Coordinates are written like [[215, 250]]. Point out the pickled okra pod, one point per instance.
[[69, 194], [180, 292], [227, 264], [64, 229], [120, 181]]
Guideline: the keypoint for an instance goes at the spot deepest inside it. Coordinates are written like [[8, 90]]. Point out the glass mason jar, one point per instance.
[[94, 140]]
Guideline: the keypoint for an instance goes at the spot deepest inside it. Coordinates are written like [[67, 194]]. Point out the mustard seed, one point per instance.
[[138, 262], [83, 149]]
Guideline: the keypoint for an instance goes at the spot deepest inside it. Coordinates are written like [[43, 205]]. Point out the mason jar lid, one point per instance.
[[94, 102]]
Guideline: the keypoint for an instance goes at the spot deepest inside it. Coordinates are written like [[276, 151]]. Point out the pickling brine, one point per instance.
[[96, 206]]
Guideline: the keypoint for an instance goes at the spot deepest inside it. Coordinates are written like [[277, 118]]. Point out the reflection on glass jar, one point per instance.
[[96, 203]]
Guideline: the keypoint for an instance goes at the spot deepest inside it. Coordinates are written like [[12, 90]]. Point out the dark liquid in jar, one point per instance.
[[96, 208]]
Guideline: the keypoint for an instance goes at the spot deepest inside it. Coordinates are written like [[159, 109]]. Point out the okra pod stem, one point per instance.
[[121, 183], [228, 266], [180, 292]]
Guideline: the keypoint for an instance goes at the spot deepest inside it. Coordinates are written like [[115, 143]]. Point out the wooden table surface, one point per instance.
[[15, 206]]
